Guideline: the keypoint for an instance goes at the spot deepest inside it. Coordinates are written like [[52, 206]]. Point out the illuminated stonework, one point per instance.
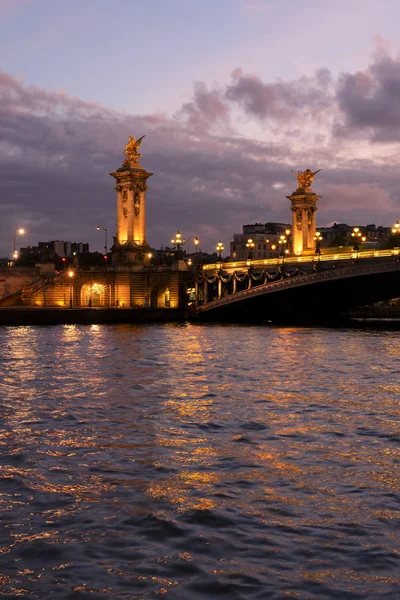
[[110, 289], [304, 208], [131, 190]]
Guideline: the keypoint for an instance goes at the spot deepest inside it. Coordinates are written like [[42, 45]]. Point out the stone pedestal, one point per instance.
[[130, 243], [304, 208]]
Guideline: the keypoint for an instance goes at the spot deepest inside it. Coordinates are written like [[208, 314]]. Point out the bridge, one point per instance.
[[297, 288]]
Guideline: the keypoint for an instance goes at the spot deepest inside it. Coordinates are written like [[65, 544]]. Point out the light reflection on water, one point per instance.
[[199, 461]]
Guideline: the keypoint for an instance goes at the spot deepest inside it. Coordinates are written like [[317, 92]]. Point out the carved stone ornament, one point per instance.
[[125, 212], [136, 210], [125, 195], [299, 219], [136, 199], [118, 188], [309, 217]]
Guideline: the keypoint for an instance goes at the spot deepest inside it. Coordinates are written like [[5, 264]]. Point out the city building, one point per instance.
[[340, 234], [64, 249], [259, 240], [262, 240]]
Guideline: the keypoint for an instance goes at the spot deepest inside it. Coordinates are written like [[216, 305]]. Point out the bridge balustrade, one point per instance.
[[284, 279], [323, 258]]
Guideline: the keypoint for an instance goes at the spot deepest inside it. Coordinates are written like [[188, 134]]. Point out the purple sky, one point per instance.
[[231, 95]]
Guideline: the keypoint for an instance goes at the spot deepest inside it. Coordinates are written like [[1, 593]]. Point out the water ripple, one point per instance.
[[199, 462]]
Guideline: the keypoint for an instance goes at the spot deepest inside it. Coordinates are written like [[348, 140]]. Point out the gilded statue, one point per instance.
[[131, 148], [305, 178]]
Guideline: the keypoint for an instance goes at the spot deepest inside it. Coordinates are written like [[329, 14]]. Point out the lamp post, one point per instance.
[[317, 240], [250, 246], [357, 235], [396, 231], [70, 274], [282, 242], [105, 231], [178, 241], [19, 231], [287, 233], [195, 240], [220, 248]]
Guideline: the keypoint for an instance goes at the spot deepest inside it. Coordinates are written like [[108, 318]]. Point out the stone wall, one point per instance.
[[13, 279], [151, 287]]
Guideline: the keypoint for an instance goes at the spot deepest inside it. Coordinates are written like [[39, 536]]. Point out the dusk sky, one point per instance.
[[231, 94]]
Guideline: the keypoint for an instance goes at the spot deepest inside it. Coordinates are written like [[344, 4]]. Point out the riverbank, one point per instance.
[[88, 316], [376, 312]]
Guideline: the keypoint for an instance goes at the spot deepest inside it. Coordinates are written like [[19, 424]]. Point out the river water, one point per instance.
[[199, 462]]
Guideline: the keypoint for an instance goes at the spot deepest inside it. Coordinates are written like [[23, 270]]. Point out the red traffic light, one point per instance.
[[63, 259], [105, 257]]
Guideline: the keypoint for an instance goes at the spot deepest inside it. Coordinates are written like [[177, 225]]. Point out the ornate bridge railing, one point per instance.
[[295, 260], [301, 280]]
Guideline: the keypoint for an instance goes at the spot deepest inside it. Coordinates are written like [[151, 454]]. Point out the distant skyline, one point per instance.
[[231, 97]]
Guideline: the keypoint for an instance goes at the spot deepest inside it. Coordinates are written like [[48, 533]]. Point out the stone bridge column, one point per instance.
[[129, 194], [304, 222], [131, 190]]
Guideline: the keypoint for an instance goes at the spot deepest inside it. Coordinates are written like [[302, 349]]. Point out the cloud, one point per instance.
[[357, 202], [214, 166], [370, 99], [206, 109], [280, 100]]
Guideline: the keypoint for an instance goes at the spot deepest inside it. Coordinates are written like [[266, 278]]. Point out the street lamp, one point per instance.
[[317, 240], [396, 231], [105, 231], [250, 246], [195, 240], [178, 241], [358, 236], [19, 231], [220, 248], [282, 242], [70, 274], [287, 233]]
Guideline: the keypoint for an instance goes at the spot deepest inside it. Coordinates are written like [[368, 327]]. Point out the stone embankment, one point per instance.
[[88, 316]]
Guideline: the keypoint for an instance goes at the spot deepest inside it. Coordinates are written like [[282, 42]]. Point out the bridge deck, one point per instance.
[[296, 260]]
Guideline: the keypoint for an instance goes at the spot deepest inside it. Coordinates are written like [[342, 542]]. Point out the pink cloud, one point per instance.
[[209, 178]]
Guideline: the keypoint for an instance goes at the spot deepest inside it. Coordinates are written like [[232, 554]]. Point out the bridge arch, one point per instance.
[[307, 295], [160, 296], [93, 294]]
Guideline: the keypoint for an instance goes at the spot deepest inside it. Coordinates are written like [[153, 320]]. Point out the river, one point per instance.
[[193, 461]]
